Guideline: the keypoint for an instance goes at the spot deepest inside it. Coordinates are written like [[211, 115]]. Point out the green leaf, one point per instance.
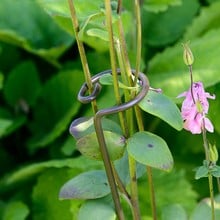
[[163, 107], [33, 30], [69, 146], [108, 80], [172, 188], [214, 108], [16, 210], [202, 171], [46, 204], [8, 126], [22, 86], [83, 126], [28, 172], [215, 171], [122, 167], [95, 32], [160, 5], [1, 80], [203, 211], [57, 104], [204, 22], [88, 185], [167, 27], [168, 72], [89, 146], [174, 212], [97, 209], [151, 150], [91, 19]]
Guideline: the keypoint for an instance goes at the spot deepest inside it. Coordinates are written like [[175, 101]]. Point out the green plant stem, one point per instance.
[[82, 53], [218, 184], [191, 83], [113, 64], [108, 165], [139, 39], [127, 80], [206, 147], [149, 170], [152, 193], [137, 109], [211, 195], [134, 189]]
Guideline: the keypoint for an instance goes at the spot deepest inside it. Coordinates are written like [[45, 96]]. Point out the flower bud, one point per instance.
[[187, 55], [213, 153]]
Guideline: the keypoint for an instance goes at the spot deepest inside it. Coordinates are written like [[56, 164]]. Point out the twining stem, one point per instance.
[[82, 53]]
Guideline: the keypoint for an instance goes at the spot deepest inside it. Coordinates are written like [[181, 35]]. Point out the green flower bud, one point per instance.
[[213, 153], [187, 55]]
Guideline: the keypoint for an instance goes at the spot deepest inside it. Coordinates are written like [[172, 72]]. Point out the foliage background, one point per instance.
[[40, 75]]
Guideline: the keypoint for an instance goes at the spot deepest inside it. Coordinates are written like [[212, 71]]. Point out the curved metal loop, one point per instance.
[[97, 88], [87, 99]]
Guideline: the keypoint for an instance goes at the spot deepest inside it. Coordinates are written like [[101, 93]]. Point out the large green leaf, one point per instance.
[[207, 20], [173, 212], [56, 107], [151, 150], [203, 210], [16, 210], [33, 30], [164, 28], [22, 86], [163, 107], [167, 69], [28, 172], [91, 16], [46, 204], [97, 209], [171, 188], [88, 185], [160, 5]]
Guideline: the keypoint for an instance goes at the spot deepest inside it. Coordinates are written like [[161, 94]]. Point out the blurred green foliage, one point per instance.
[[40, 75]]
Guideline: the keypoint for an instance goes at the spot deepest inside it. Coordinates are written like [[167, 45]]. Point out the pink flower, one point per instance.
[[195, 108]]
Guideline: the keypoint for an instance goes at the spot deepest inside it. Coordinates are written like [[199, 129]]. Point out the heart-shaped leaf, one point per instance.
[[89, 146], [151, 150], [163, 107]]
